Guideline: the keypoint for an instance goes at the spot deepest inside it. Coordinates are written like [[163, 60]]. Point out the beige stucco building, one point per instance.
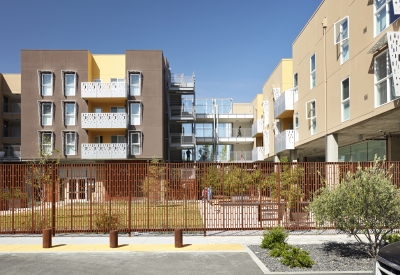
[[344, 86]]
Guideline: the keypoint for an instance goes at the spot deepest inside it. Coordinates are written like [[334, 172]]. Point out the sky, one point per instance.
[[232, 46]]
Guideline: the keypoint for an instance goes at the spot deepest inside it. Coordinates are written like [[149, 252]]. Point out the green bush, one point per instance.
[[105, 222], [295, 257], [391, 238], [279, 250], [274, 236]]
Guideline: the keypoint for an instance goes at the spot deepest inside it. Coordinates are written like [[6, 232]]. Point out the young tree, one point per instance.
[[365, 202], [41, 174], [154, 185]]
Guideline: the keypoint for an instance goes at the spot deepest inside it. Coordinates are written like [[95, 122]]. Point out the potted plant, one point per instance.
[[16, 150]]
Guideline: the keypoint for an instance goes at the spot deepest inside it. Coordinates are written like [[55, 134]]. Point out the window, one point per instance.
[[312, 116], [295, 88], [70, 143], [312, 72], [346, 99], [135, 113], [296, 121], [134, 84], [98, 139], [47, 84], [69, 83], [342, 38], [47, 113], [384, 87], [117, 109], [383, 15], [46, 141], [98, 110], [121, 80], [69, 113], [135, 143], [97, 80], [117, 139]]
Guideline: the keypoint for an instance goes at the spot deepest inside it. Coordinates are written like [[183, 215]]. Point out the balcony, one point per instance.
[[182, 112], [258, 154], [283, 105], [266, 142], [228, 136], [266, 113], [104, 90], [12, 135], [182, 84], [181, 141], [104, 120], [284, 141], [10, 153], [12, 111], [257, 128], [235, 156], [295, 95], [104, 151]]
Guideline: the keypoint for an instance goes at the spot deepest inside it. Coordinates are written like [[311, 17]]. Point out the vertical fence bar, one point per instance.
[[53, 201], [278, 183], [91, 186], [129, 178]]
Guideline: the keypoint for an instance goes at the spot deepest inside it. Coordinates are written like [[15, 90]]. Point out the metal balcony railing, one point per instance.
[[12, 108], [11, 132], [104, 120], [258, 154], [257, 127], [104, 90], [10, 152], [235, 156], [104, 150], [182, 139], [182, 111], [235, 133], [284, 141], [283, 103], [180, 80]]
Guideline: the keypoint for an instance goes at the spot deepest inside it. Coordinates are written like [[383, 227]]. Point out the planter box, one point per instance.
[[18, 203], [3, 204]]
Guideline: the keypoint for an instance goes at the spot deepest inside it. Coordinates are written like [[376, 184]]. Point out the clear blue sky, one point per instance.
[[232, 46]]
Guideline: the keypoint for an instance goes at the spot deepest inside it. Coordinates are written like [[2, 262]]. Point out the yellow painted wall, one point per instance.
[[106, 66], [90, 67], [106, 135], [257, 106], [106, 105], [287, 74]]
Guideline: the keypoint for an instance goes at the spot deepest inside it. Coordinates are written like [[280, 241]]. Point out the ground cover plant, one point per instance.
[[275, 241]]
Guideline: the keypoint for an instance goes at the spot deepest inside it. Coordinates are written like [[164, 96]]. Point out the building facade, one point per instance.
[[346, 84]]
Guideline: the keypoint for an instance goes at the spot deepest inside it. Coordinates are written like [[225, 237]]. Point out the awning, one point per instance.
[[379, 44]]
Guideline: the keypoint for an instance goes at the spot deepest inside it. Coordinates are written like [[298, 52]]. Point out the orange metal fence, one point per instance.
[[160, 197]]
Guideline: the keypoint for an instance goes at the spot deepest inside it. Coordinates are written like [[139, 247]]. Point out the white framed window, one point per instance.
[[117, 109], [46, 83], [117, 139], [47, 113], [383, 15], [98, 80], [98, 139], [134, 84], [70, 145], [136, 147], [69, 84], [346, 99], [120, 80], [311, 111], [384, 86], [295, 87], [69, 113], [46, 141], [98, 110], [135, 109], [312, 71], [341, 30], [296, 121]]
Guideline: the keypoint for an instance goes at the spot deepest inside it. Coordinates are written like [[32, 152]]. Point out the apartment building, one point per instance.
[[345, 86], [94, 107], [10, 92]]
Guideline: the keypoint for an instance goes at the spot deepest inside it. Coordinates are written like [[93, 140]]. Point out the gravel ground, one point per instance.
[[329, 256]]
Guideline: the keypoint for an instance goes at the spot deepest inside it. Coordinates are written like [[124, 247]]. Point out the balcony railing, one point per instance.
[[182, 139], [266, 142], [180, 80], [266, 113], [295, 95], [12, 108], [104, 90], [104, 120], [235, 133], [11, 132], [283, 103], [182, 111], [257, 127], [235, 156], [10, 152], [284, 141], [104, 151], [258, 154]]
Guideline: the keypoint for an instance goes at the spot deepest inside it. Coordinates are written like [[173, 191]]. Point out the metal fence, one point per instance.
[[160, 197]]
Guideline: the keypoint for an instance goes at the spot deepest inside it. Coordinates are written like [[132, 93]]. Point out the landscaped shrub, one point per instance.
[[295, 257], [391, 238], [279, 249], [106, 222], [274, 236]]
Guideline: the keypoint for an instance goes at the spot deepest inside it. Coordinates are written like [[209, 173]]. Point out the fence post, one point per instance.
[[12, 199], [278, 183], [92, 182], [53, 201], [129, 178]]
